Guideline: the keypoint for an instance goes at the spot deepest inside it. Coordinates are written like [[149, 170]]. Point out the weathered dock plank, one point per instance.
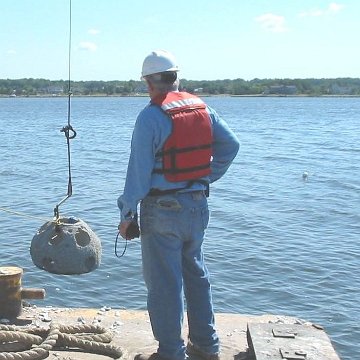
[[289, 341]]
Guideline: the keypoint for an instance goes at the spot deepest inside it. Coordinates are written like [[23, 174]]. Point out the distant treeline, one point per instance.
[[310, 87]]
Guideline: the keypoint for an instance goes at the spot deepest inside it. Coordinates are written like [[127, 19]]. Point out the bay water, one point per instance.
[[284, 234]]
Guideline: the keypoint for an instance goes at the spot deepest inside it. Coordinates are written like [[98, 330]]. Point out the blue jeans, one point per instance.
[[172, 234]]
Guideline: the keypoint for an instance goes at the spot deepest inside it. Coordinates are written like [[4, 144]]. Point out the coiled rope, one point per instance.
[[20, 343]]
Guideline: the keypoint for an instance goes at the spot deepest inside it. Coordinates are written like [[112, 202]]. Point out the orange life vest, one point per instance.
[[187, 151]]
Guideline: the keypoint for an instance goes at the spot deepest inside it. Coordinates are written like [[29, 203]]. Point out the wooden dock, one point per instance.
[[243, 337]]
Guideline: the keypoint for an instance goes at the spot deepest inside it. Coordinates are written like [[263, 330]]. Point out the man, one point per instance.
[[179, 145]]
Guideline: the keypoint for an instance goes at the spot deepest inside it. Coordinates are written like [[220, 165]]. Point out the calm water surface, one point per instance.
[[276, 243]]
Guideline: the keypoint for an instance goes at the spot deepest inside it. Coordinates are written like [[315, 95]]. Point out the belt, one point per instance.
[[157, 192]]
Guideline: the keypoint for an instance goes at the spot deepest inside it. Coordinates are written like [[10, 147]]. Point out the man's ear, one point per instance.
[[149, 84]]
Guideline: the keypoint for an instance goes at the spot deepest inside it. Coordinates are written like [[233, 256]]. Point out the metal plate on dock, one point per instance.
[[289, 342]]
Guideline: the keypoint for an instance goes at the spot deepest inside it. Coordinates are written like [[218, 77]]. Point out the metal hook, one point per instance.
[[67, 129]]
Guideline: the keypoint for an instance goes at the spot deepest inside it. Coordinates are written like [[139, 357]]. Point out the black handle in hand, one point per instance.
[[133, 230]]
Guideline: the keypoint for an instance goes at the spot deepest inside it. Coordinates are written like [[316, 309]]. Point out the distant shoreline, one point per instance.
[[200, 95], [339, 87]]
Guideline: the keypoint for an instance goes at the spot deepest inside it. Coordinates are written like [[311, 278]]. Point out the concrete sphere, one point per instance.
[[67, 247]]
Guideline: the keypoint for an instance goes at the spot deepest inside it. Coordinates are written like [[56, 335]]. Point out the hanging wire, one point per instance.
[[70, 134], [116, 245], [68, 130], [22, 214]]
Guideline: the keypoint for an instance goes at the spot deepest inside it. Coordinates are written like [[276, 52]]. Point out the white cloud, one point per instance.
[[88, 46], [11, 52], [93, 31], [272, 22], [333, 8]]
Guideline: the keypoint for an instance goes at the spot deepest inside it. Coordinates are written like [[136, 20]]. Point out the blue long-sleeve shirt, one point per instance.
[[151, 130]]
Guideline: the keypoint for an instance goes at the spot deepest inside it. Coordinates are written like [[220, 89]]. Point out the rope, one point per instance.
[[34, 344], [40, 351], [18, 213]]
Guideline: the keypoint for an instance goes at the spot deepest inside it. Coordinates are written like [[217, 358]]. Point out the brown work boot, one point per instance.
[[192, 349], [154, 356]]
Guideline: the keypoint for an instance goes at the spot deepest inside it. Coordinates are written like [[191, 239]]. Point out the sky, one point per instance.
[[211, 39]]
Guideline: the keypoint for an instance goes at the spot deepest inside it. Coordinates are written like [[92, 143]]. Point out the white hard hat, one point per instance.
[[157, 62]]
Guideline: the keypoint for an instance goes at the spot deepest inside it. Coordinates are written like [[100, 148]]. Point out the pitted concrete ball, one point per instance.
[[67, 247]]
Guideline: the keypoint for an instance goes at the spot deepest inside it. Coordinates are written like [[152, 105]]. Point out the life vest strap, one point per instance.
[[182, 170], [183, 150]]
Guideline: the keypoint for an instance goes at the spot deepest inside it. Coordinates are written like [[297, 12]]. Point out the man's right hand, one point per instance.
[[129, 229]]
